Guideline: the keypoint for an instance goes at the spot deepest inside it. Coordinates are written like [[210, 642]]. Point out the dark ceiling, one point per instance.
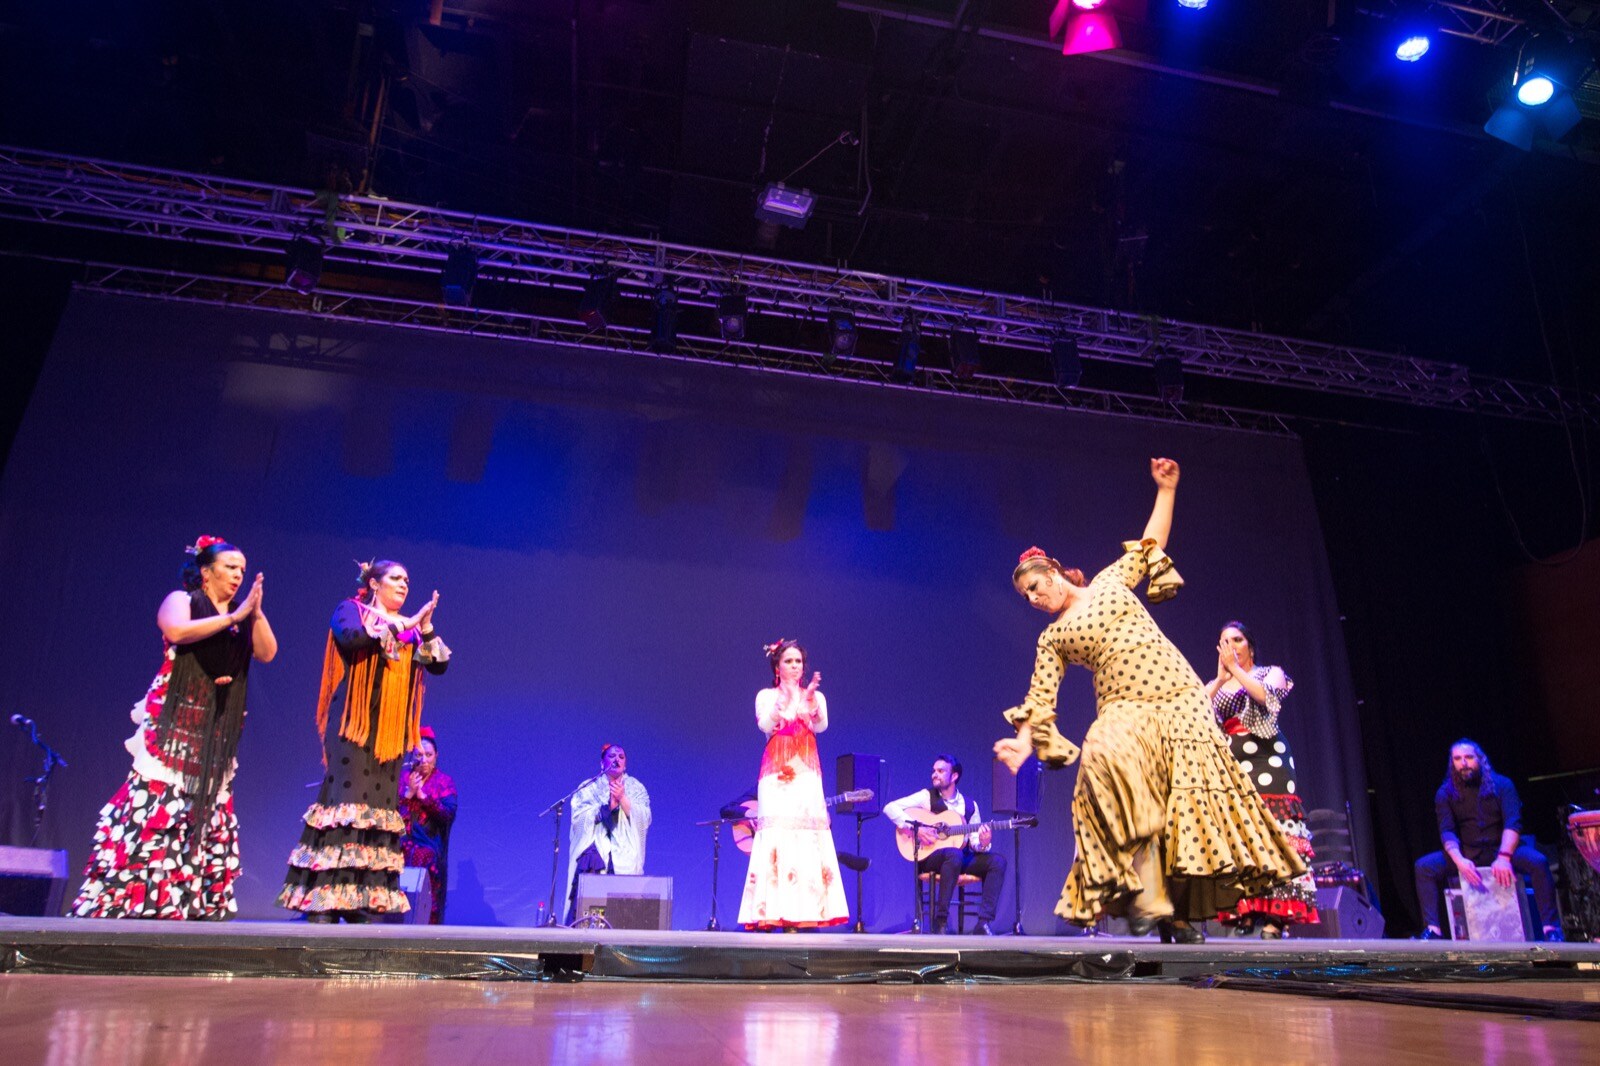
[[1258, 165]]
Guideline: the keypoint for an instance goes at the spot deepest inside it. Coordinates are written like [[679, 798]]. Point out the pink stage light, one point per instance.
[[1086, 29], [1092, 31]]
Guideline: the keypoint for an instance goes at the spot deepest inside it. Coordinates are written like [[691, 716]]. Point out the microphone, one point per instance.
[[22, 721]]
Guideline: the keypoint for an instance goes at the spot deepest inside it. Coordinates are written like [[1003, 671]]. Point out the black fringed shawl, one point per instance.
[[197, 729]]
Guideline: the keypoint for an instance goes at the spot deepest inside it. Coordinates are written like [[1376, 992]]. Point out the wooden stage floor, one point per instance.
[[78, 991], [88, 1021]]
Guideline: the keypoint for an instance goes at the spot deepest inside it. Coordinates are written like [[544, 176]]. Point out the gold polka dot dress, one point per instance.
[[1159, 795]]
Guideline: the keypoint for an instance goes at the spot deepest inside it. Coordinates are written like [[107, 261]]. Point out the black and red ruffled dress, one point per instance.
[[1263, 754], [167, 843], [349, 857]]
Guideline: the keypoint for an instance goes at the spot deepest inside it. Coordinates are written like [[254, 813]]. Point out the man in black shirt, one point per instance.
[[1480, 823]]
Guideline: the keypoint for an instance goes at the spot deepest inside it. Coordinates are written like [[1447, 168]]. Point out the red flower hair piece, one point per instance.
[[202, 543], [1032, 553]]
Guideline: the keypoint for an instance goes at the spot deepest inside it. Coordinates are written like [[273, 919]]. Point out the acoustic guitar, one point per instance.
[[744, 831], [951, 829]]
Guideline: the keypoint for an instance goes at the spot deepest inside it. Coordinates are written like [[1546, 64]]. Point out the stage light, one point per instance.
[[732, 316], [841, 336], [1065, 363], [598, 306], [1088, 5], [908, 351], [1085, 26], [1536, 91], [1539, 102], [302, 264], [784, 206], [965, 358], [459, 274], [1412, 48], [1192, 5], [664, 326], [1169, 378]]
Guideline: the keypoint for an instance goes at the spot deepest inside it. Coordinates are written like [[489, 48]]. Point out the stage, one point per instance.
[[297, 949], [80, 991]]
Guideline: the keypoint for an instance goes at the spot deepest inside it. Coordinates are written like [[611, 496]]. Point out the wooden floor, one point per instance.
[[77, 1021]]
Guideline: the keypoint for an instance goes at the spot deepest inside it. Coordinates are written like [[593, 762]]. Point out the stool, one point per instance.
[[964, 905], [1495, 912]]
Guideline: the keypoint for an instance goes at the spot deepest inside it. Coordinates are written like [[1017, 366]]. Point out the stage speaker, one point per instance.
[[854, 771], [626, 901], [1346, 915], [32, 881], [418, 889], [1017, 793]]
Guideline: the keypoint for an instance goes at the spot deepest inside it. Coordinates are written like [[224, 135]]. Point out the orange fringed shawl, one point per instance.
[[399, 706]]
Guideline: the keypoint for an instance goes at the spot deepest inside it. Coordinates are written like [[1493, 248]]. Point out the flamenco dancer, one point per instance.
[[167, 843], [1168, 828], [793, 881], [1247, 699], [348, 862]]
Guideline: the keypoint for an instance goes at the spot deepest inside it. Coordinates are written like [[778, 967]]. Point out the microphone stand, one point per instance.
[[559, 806], [916, 878], [1016, 852], [716, 825], [41, 784], [860, 926]]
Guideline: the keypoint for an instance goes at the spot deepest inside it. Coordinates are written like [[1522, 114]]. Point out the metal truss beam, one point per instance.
[[1485, 21], [372, 309], [376, 236]]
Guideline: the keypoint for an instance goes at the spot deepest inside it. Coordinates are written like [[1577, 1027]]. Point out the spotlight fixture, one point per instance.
[[302, 264], [1412, 47], [841, 336], [908, 351], [1540, 101], [785, 206], [664, 326], [965, 358], [459, 274], [732, 315], [598, 306], [1192, 5], [1169, 378], [1086, 26], [1065, 363]]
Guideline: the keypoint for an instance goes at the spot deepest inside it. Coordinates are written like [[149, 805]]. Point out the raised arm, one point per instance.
[[179, 626], [1164, 472]]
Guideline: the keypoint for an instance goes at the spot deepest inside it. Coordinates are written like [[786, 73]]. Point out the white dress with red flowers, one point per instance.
[[794, 871]]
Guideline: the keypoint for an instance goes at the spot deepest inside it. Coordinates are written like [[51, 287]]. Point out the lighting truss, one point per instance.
[[382, 310], [1485, 21], [374, 236]]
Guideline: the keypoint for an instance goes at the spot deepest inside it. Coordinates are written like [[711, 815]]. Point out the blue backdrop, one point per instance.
[[613, 537]]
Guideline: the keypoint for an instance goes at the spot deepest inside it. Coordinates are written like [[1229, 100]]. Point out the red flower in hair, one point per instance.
[[202, 543], [1032, 553]]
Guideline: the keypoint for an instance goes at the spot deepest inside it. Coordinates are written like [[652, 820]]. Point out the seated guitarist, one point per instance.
[[961, 855]]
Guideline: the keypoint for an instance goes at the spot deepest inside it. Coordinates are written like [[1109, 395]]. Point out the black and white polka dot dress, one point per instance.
[[1264, 755], [1155, 767]]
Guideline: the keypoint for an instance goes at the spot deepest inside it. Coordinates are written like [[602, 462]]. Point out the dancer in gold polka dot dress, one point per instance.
[[1168, 828]]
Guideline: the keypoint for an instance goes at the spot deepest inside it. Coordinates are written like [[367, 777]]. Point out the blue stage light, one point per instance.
[[1535, 91], [1413, 48], [1193, 5]]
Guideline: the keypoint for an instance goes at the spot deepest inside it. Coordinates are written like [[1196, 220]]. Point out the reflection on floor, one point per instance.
[[72, 1021]]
